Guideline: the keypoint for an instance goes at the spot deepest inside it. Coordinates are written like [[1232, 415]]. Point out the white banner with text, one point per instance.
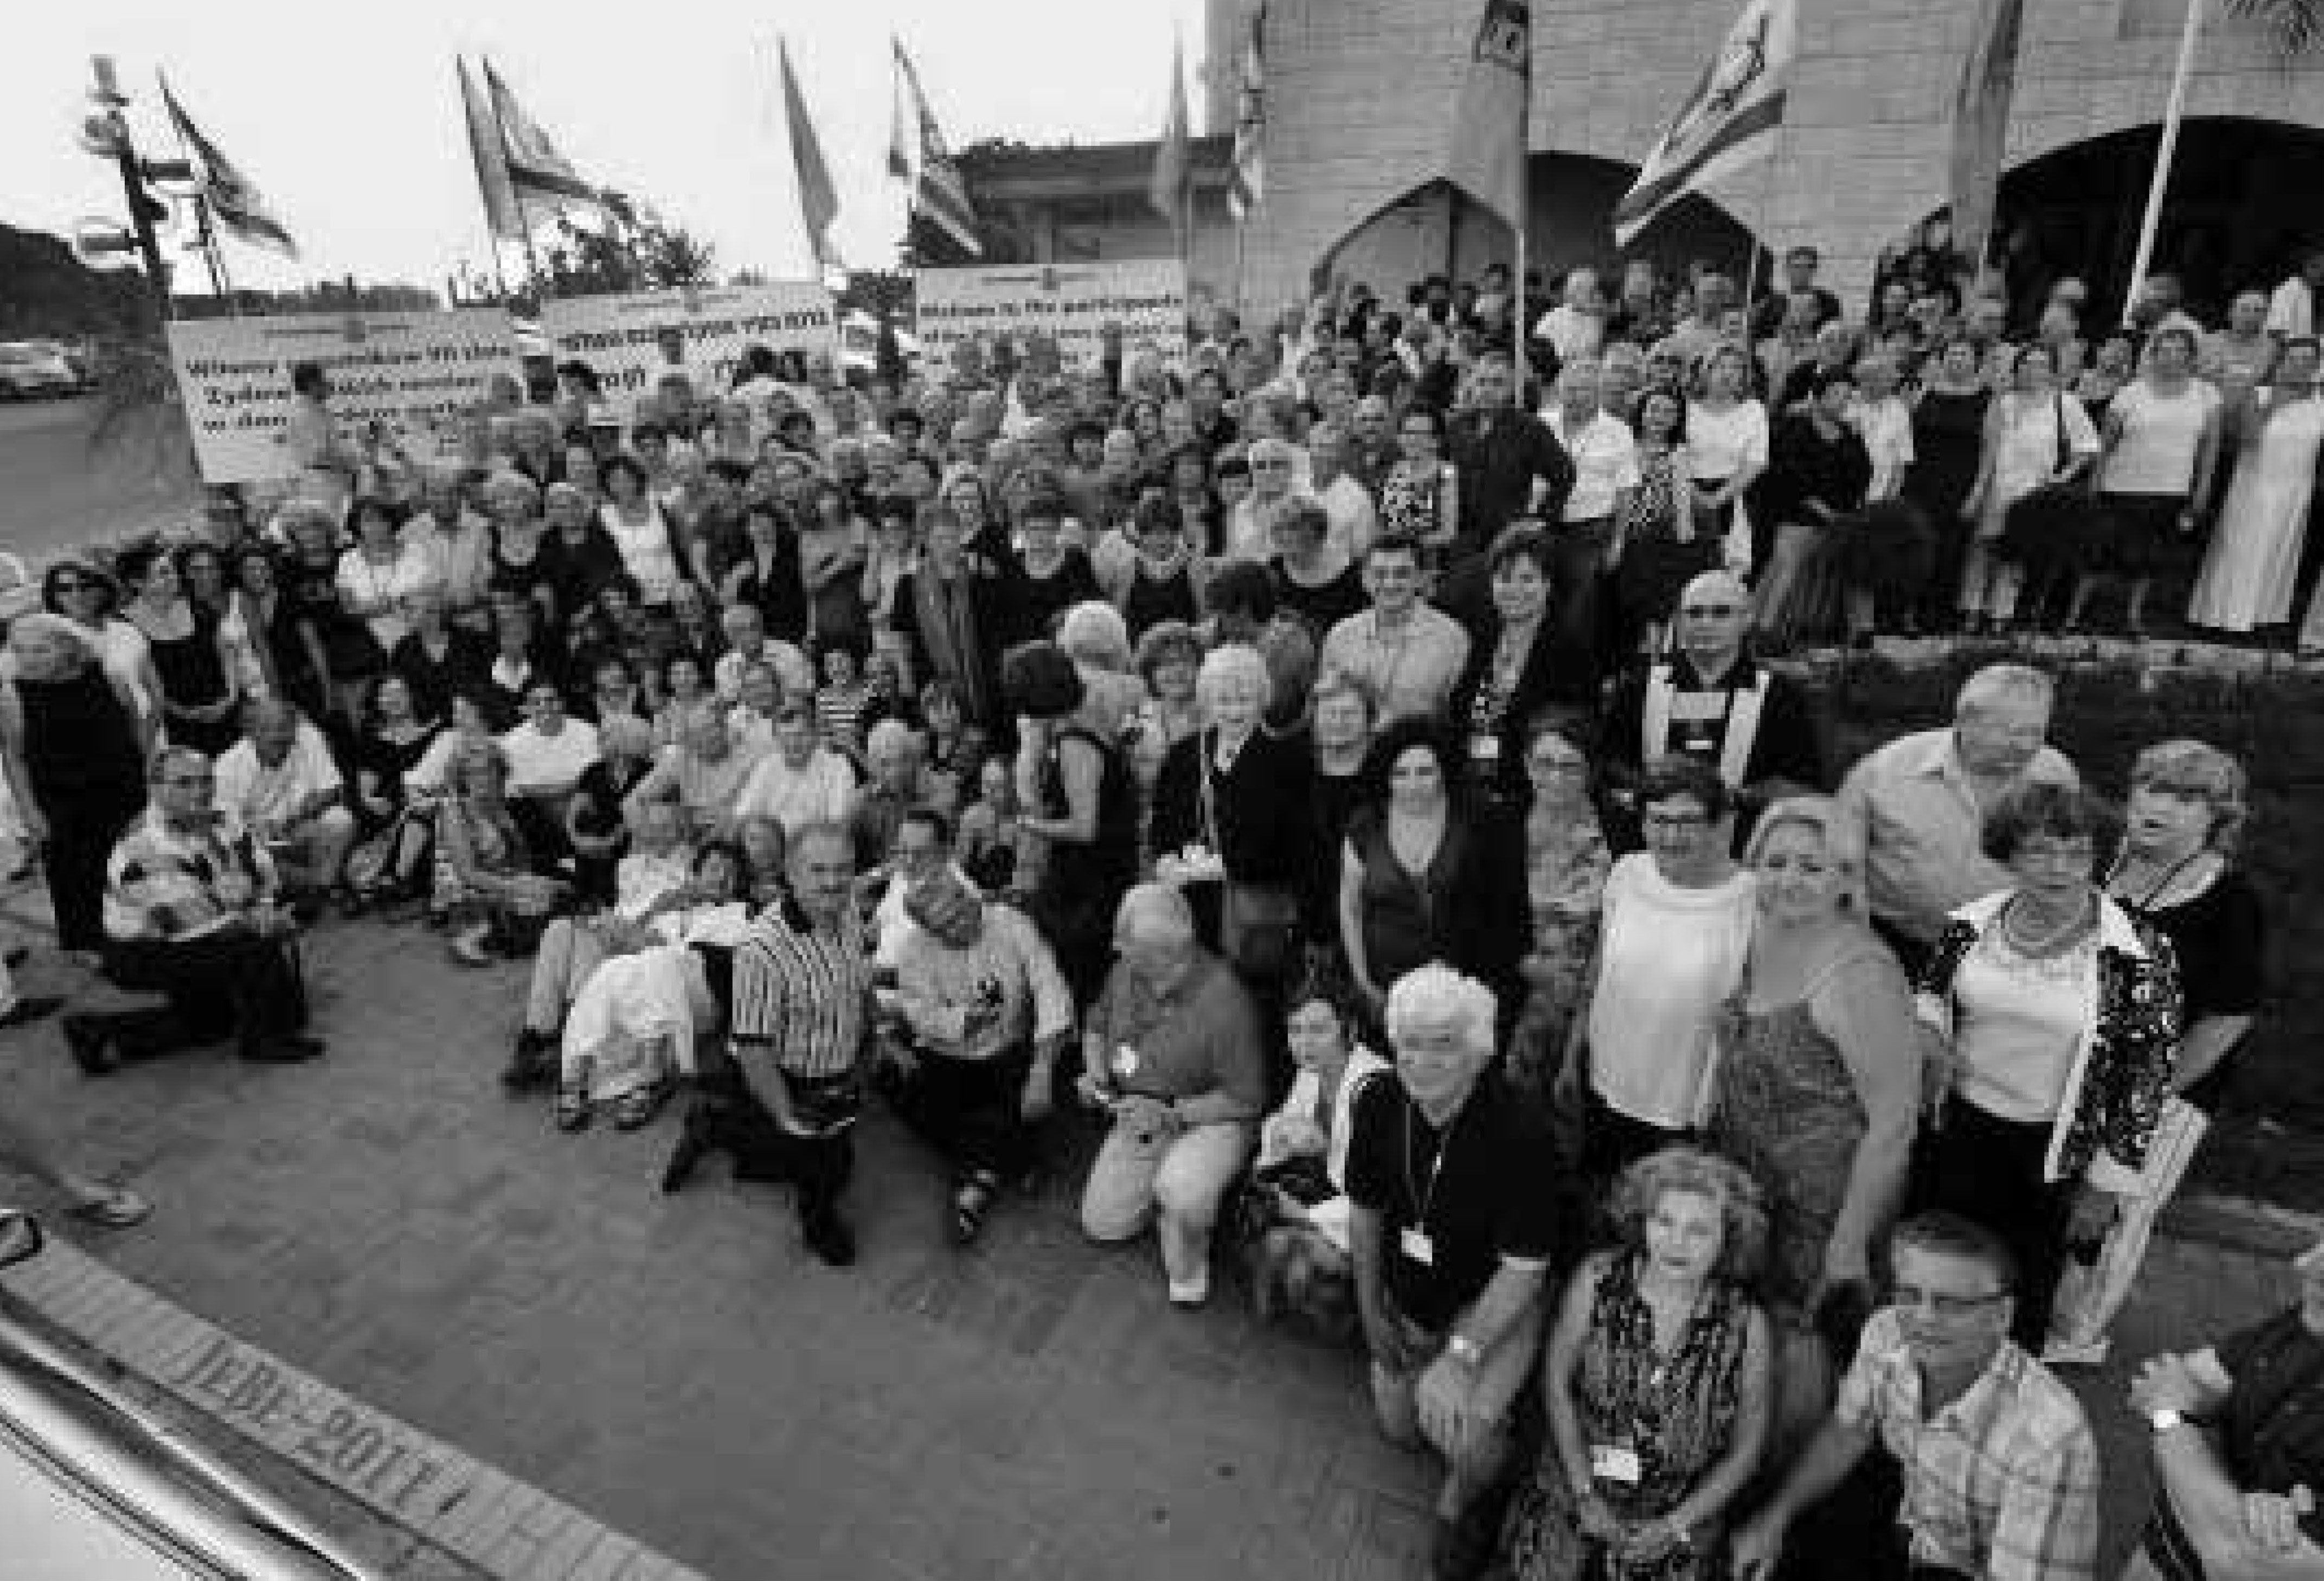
[[1069, 304], [632, 340]]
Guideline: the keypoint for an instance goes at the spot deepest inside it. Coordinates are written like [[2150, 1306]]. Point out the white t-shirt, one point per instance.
[[2160, 437], [1668, 958], [818, 792], [1354, 518], [257, 794], [1605, 462], [2017, 1024], [539, 762], [1721, 443]]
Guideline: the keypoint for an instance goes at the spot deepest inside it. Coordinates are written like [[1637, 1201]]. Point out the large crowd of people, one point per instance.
[[1347, 791]]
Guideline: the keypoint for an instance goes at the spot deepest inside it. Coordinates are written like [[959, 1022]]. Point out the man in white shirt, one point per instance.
[[2291, 310], [280, 782], [800, 782], [747, 643], [1348, 505], [1576, 328], [547, 756], [1407, 655], [1605, 459]]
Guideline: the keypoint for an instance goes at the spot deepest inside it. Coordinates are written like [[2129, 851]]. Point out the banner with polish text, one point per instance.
[[1069, 304], [412, 375], [629, 339]]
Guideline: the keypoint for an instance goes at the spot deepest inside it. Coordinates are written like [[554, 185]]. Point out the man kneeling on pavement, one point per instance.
[[192, 911]]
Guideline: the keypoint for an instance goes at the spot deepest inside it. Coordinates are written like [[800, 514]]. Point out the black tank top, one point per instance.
[[79, 742]]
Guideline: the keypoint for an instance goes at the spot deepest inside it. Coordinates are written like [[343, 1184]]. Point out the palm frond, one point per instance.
[[2298, 23]]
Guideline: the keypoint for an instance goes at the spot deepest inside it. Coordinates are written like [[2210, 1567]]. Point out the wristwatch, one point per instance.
[[1463, 1350], [2164, 1420]]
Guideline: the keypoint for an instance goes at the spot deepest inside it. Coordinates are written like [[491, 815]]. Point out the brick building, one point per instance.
[[1360, 97]]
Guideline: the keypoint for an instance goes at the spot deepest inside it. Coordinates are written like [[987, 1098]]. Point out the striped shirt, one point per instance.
[[802, 994], [2003, 1482], [161, 884]]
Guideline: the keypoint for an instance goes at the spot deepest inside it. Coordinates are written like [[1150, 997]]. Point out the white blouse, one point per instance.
[[1721, 444]]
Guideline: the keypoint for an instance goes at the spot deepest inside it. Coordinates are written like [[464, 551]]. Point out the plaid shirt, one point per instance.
[[2002, 1483], [804, 994], [162, 884]]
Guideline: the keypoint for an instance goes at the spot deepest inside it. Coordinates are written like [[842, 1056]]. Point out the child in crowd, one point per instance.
[[844, 694]]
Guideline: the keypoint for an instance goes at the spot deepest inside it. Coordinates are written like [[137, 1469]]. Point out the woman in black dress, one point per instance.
[[201, 696], [397, 734], [1080, 799], [74, 749], [1948, 441], [1516, 666]]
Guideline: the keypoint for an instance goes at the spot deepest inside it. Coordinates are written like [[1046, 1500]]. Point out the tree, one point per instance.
[[647, 255], [2298, 23]]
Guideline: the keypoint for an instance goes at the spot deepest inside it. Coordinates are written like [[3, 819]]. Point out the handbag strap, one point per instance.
[[2065, 451]]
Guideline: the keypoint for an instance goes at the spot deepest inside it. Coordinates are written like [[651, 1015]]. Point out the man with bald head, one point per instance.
[[1172, 1052], [1605, 471], [1713, 702]]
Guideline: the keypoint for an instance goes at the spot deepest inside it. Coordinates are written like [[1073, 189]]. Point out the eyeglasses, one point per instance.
[[1711, 611], [189, 781], [1560, 765], [1943, 1303], [1676, 822]]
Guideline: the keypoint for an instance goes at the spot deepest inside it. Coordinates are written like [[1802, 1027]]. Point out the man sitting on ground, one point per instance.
[[191, 911], [2000, 1473], [2238, 1453], [280, 783]]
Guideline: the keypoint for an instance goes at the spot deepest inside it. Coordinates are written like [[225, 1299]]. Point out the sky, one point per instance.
[[352, 128]]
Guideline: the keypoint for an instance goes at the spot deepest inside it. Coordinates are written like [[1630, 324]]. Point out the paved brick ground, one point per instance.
[[386, 1221]]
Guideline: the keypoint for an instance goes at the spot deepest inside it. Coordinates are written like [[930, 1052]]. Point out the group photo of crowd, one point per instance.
[[1338, 796]]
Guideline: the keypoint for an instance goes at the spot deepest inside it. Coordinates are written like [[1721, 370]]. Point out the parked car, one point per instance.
[[91, 1484], [30, 371]]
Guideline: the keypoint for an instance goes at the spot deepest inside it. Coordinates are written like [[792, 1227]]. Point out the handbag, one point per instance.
[[1258, 923]]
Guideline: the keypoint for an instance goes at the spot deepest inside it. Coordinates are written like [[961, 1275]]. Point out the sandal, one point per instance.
[[636, 1108], [572, 1108], [118, 1210], [970, 1203], [470, 949]]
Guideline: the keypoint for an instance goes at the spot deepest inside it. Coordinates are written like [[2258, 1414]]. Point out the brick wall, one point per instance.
[[1360, 94]]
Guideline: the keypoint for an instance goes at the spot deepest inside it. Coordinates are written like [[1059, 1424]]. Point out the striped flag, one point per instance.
[[917, 156], [1167, 190], [540, 175], [1729, 120], [1989, 82], [502, 216], [1488, 129], [235, 202], [1247, 177], [818, 198]]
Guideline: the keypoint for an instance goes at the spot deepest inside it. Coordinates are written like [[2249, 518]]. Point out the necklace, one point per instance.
[[2123, 867], [2047, 943]]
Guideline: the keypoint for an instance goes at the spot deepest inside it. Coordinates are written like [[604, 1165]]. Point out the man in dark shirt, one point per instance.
[[1800, 266], [2239, 1449], [1452, 1231], [1510, 464]]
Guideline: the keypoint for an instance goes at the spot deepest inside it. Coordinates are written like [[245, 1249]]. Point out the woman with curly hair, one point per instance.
[[1657, 1382]]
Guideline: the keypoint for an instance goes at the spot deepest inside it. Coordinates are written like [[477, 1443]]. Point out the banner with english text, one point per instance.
[[631, 338], [412, 375], [1070, 303]]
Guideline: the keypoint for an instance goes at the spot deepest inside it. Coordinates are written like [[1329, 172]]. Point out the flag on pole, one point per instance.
[[1729, 119], [1247, 177], [917, 156], [236, 204], [818, 198], [540, 175], [1489, 129], [1988, 82], [490, 155], [1169, 186]]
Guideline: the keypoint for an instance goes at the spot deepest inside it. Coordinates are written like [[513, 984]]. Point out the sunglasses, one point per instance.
[[1711, 611]]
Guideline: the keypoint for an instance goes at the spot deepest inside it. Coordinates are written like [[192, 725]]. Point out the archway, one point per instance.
[[2226, 224], [1434, 228]]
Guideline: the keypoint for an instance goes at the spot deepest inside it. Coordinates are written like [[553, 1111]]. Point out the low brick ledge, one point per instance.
[[441, 1495]]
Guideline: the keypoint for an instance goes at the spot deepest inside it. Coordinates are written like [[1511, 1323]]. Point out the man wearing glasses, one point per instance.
[[191, 911], [1709, 701], [1999, 1471]]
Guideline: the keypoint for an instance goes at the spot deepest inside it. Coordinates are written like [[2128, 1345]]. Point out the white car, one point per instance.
[[92, 1485], [29, 372]]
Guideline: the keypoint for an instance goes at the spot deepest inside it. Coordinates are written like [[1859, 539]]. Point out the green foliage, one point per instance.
[[648, 255]]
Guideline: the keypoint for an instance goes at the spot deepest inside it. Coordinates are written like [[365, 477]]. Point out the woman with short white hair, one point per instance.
[[1452, 1230], [1229, 819]]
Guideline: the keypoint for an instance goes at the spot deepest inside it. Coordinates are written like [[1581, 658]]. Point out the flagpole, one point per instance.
[[204, 232], [2163, 155], [1519, 329]]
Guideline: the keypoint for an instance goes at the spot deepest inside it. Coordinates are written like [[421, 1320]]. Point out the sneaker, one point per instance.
[[1191, 1293], [532, 1063], [29, 1009], [828, 1237], [92, 1049]]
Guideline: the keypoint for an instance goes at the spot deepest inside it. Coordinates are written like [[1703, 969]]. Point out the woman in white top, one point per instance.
[[633, 519], [2161, 444], [1677, 928], [2036, 435], [2255, 555], [380, 573], [1727, 450]]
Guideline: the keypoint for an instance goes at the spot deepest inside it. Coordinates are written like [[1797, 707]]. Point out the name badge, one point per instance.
[[1416, 1245], [1485, 749], [1125, 1061], [1616, 1463]]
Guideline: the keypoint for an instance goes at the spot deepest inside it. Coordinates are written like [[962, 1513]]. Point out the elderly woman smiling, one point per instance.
[[1452, 1230]]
